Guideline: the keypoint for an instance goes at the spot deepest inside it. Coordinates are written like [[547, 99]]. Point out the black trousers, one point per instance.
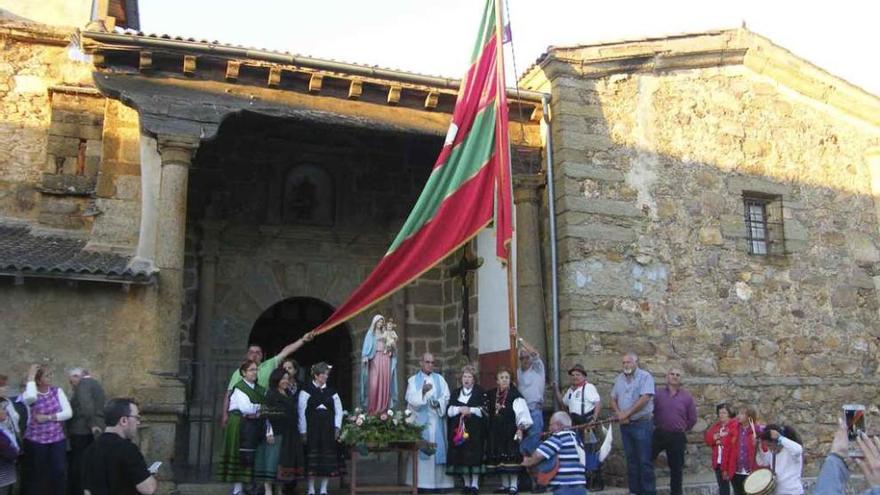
[[738, 483], [723, 484], [78, 444], [673, 442]]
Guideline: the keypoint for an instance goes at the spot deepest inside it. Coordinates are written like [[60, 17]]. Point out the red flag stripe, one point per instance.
[[477, 91], [470, 205]]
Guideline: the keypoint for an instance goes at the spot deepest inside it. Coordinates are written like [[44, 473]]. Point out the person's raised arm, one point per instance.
[[294, 346]]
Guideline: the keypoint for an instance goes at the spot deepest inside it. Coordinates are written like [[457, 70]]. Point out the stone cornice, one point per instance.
[[705, 50], [36, 33]]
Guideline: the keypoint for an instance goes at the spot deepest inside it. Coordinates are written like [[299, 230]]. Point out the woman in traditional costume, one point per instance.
[[509, 418], [379, 367], [467, 431], [320, 421], [245, 430], [281, 458]]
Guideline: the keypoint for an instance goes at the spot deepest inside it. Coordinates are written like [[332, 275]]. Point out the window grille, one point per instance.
[[764, 230]]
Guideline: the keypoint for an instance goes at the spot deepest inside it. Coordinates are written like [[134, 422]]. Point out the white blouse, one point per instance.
[[240, 402], [464, 397], [521, 410]]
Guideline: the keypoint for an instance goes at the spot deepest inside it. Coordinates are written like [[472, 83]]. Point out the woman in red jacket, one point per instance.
[[719, 437], [744, 432]]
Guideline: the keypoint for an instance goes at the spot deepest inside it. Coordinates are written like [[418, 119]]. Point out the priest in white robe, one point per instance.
[[427, 395]]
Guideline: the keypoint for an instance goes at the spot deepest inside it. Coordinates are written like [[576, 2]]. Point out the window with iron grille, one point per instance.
[[763, 216]]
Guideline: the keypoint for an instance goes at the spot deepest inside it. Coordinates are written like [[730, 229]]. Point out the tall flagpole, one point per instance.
[[506, 176]]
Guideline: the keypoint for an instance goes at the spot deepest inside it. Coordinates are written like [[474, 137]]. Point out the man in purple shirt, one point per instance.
[[674, 415]]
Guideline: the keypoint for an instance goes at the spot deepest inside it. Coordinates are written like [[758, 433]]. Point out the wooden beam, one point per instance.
[[394, 95], [274, 77], [537, 114], [431, 100], [232, 68], [356, 89], [189, 65], [145, 62], [315, 83]]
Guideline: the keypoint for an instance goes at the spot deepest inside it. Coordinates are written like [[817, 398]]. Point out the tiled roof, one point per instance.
[[25, 253]]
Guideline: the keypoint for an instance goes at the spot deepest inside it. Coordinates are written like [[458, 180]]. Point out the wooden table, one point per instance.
[[401, 449]]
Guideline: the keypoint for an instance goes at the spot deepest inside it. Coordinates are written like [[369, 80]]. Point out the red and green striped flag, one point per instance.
[[469, 185]]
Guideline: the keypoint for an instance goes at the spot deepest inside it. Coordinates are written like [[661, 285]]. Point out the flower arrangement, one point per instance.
[[377, 431]]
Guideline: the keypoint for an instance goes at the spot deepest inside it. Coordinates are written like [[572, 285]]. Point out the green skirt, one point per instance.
[[266, 465], [230, 468]]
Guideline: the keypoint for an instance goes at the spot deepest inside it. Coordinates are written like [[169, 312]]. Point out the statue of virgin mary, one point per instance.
[[379, 367]]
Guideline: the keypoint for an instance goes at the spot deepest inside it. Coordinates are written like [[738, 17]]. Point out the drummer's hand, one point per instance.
[[871, 463], [840, 443], [752, 426]]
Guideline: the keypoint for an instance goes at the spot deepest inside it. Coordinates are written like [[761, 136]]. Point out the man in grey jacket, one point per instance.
[[835, 471], [87, 402]]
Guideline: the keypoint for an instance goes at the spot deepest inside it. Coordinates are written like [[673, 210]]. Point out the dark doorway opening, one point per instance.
[[289, 320]]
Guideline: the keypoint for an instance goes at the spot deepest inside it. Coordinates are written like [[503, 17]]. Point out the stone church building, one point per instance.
[[166, 201]]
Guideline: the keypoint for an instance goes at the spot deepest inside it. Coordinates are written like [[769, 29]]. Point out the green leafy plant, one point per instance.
[[362, 430]]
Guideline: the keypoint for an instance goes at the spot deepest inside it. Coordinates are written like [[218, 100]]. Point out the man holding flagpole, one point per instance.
[[427, 395]]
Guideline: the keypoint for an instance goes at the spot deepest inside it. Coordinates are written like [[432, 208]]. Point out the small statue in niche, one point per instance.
[[303, 201]]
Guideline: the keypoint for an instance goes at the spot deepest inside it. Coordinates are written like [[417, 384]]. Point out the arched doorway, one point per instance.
[[290, 319]]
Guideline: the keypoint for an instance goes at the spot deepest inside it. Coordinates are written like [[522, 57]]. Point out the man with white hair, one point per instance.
[[87, 403], [427, 395], [632, 400], [564, 445]]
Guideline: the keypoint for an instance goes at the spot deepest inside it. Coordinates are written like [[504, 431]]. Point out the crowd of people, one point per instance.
[[52, 445], [279, 432]]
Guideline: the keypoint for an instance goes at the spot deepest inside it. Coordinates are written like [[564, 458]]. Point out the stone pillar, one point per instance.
[[205, 311], [163, 404], [531, 316], [151, 172]]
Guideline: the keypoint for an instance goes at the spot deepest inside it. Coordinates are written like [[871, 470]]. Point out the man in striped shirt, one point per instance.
[[565, 445]]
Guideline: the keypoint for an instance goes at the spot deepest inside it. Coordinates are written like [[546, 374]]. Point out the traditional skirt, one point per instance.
[[231, 468], [467, 458], [322, 459], [292, 463], [503, 454]]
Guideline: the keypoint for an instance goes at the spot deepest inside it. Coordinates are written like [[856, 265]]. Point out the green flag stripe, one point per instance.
[[465, 161], [487, 25]]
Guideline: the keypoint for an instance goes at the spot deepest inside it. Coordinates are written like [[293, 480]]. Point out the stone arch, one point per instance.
[[288, 320]]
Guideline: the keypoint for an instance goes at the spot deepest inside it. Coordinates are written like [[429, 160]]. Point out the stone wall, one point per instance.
[[651, 172]]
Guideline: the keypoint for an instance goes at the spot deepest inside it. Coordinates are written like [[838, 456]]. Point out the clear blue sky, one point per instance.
[[435, 37]]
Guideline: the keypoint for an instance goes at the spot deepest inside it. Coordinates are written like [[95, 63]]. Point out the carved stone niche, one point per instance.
[[309, 196]]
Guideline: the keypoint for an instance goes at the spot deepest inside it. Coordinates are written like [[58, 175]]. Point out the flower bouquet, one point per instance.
[[378, 431]]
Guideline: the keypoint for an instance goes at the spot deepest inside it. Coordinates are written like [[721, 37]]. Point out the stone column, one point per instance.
[[531, 316], [151, 173], [163, 404]]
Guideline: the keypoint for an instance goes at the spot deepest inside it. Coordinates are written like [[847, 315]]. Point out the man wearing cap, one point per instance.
[[531, 382], [584, 405], [582, 399], [632, 400]]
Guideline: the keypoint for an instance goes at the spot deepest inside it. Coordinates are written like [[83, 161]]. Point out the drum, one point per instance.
[[760, 482]]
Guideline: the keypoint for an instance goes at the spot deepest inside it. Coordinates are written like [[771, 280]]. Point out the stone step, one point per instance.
[[700, 488]]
